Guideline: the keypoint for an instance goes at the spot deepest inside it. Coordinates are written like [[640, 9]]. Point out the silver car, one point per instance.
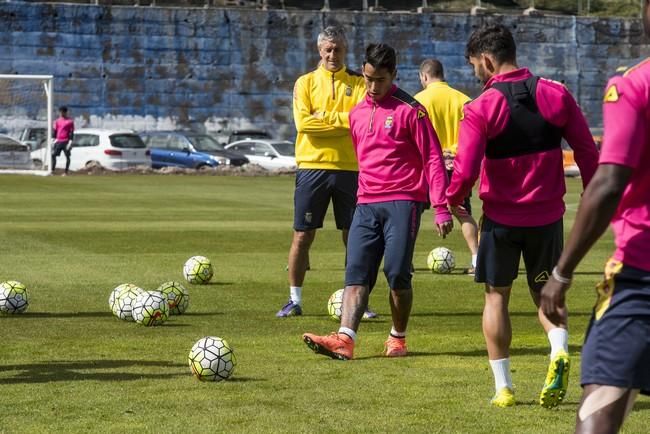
[[13, 154]]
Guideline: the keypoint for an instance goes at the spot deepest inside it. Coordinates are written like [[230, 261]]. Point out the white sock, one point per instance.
[[397, 334], [474, 260], [501, 371], [349, 332], [559, 339], [295, 293]]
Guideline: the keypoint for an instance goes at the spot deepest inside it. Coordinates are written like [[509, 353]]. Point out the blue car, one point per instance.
[[189, 150]]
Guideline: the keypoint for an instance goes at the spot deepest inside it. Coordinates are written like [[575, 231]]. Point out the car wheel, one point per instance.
[[37, 164], [93, 163]]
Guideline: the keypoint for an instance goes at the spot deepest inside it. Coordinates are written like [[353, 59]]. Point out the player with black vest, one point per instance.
[[511, 136]]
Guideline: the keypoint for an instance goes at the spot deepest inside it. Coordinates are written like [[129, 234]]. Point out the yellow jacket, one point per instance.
[[321, 103], [445, 107]]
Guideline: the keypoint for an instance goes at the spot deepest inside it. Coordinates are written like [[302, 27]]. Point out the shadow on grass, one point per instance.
[[641, 406], [214, 284], [63, 315], [88, 370], [479, 313], [480, 352], [200, 314]]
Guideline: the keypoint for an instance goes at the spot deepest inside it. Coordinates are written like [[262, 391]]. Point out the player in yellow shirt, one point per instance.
[[444, 105], [327, 163]]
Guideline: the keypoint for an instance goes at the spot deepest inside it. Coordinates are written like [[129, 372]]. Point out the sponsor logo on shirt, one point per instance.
[[421, 114], [612, 94], [388, 123]]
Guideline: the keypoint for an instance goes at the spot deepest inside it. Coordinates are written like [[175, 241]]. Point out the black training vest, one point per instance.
[[527, 132]]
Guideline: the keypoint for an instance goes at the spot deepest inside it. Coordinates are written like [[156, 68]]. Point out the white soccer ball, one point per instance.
[[177, 297], [122, 299], [335, 304], [212, 359], [150, 308], [441, 260], [198, 269], [13, 297]]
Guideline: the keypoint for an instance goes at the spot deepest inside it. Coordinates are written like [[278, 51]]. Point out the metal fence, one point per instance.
[[573, 7]]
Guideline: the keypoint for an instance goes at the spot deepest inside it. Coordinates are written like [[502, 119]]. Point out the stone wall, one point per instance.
[[154, 68]]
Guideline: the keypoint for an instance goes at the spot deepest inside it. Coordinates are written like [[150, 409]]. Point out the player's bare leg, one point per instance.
[[469, 228], [298, 262], [497, 330], [603, 409]]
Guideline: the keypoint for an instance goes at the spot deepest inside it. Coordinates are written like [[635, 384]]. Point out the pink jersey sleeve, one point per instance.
[[434, 169], [624, 124], [490, 108]]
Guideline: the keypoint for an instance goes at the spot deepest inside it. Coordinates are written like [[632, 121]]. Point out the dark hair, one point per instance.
[[381, 56], [494, 40], [63, 109], [433, 68]]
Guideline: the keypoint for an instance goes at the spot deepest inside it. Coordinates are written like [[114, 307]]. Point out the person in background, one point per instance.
[[63, 132]]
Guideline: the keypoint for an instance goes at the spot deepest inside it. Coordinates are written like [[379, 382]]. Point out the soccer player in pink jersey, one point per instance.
[[511, 136], [63, 131], [616, 352], [400, 169]]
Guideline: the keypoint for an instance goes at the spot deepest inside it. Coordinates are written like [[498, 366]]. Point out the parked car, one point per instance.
[[188, 149], [111, 149], [13, 154], [34, 137], [225, 137], [270, 154], [568, 160]]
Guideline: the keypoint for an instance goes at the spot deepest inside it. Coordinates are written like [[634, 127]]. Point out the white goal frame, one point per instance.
[[48, 84]]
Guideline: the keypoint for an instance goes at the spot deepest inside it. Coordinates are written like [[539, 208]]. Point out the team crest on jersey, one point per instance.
[[348, 90], [612, 94], [388, 123], [308, 217], [421, 114]]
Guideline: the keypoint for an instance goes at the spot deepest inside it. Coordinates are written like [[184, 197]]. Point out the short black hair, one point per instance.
[[381, 56], [63, 109], [495, 40]]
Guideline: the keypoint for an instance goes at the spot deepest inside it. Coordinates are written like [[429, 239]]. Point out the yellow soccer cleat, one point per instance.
[[557, 381], [504, 397]]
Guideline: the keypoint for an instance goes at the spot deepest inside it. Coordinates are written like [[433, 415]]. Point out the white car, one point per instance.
[[13, 154], [270, 154], [111, 149]]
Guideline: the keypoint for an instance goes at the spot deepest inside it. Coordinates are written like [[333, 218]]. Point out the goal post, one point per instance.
[[26, 117]]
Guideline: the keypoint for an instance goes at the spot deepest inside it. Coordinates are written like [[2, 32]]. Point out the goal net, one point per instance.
[[25, 124]]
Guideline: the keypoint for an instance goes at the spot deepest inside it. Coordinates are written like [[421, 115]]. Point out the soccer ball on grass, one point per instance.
[[198, 269], [122, 299], [177, 297], [441, 260], [335, 304], [212, 359], [150, 308], [13, 297]]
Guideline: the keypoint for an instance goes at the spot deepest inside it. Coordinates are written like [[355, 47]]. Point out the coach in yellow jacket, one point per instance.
[[327, 164]]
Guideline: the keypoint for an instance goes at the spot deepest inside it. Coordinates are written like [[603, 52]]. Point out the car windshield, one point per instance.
[[204, 143], [127, 141], [286, 149]]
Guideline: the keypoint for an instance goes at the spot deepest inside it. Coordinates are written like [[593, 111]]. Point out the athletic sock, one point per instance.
[[559, 340], [400, 335], [347, 331], [501, 371], [295, 294]]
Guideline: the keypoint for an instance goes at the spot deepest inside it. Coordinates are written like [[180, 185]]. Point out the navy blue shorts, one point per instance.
[[61, 147], [314, 190], [500, 248], [384, 229], [616, 351]]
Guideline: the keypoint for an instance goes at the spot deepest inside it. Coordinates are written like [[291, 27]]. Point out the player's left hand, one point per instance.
[[553, 299], [318, 115], [444, 228]]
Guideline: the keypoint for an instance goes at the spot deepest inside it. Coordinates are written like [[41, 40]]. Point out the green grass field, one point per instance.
[[68, 365]]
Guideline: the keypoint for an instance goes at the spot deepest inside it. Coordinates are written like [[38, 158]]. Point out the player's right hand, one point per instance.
[[444, 228]]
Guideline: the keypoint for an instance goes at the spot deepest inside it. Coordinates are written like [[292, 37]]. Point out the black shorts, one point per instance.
[[500, 248], [384, 229], [61, 147], [617, 346], [467, 203], [314, 190]]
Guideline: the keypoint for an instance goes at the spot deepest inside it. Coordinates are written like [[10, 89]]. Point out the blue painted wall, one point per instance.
[[149, 68]]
